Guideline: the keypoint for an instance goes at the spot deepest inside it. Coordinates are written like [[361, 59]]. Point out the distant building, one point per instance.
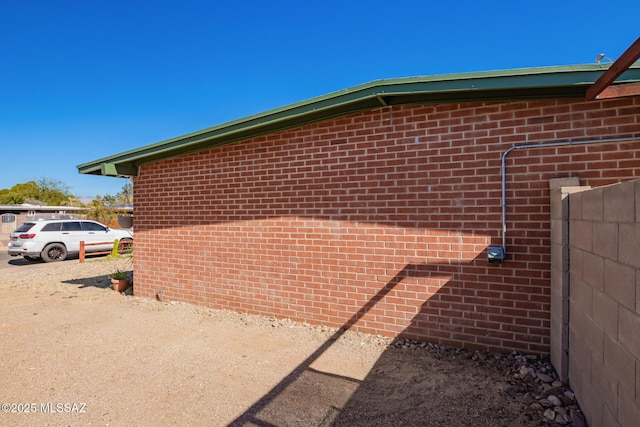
[[13, 215], [38, 211]]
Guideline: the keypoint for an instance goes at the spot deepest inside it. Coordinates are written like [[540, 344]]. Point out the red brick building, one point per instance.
[[372, 208]]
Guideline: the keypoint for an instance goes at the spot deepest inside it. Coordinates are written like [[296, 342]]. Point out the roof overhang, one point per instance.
[[567, 82]]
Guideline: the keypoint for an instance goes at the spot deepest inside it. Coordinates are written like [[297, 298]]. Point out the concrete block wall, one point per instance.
[[380, 221], [604, 303], [561, 188]]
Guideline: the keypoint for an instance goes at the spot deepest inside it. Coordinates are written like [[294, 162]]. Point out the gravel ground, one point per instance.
[[74, 352]]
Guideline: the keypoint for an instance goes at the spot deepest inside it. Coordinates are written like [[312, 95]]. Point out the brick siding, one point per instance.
[[379, 221]]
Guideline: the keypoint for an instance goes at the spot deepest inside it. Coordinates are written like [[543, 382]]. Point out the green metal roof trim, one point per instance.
[[507, 85]]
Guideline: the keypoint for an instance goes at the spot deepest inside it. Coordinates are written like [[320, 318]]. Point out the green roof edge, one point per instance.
[[524, 83]]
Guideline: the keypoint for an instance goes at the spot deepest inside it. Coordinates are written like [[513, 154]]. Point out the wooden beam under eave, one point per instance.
[[619, 91], [382, 101], [615, 70]]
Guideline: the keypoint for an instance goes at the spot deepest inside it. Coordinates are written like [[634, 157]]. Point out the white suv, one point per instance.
[[53, 240]]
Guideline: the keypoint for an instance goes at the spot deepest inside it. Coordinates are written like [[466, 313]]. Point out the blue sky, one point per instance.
[[81, 80]]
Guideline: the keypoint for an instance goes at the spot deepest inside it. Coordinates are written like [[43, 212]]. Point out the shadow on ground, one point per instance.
[[406, 387], [21, 261], [102, 282]]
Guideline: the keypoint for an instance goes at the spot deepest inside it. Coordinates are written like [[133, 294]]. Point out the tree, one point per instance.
[[99, 212], [44, 191], [103, 208], [124, 197], [18, 193], [109, 200], [54, 192]]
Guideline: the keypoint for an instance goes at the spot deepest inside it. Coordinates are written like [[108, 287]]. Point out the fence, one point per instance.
[[9, 222], [595, 299], [123, 247]]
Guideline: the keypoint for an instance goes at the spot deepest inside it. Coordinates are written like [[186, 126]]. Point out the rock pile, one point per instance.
[[529, 376], [554, 398]]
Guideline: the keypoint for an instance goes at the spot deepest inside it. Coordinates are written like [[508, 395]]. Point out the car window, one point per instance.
[[92, 226], [54, 226], [71, 226], [24, 227]]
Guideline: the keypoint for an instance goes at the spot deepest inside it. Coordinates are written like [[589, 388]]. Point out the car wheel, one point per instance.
[[32, 258], [54, 252], [125, 245]]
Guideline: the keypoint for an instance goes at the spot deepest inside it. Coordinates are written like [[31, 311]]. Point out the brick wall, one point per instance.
[[604, 303], [380, 220]]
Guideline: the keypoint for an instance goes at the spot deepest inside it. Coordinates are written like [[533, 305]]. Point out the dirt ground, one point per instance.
[[74, 352]]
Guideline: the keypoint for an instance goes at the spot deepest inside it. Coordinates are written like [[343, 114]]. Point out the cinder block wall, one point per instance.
[[604, 303], [379, 221], [560, 188]]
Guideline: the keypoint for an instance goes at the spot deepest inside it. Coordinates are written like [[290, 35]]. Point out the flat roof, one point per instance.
[[26, 207], [562, 82]]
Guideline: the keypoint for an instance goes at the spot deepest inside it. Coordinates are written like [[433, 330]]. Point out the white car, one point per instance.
[[53, 240]]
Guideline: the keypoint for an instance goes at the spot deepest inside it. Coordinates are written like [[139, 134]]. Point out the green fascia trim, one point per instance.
[[489, 86], [118, 169]]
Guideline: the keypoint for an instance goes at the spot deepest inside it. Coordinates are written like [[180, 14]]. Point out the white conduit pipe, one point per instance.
[[542, 145]]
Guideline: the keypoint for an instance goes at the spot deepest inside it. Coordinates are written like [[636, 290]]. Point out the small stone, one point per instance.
[[545, 378], [566, 400], [546, 388], [545, 403], [571, 395], [550, 415], [552, 390], [531, 357], [563, 419], [524, 371], [560, 411], [536, 406], [554, 400], [557, 383]]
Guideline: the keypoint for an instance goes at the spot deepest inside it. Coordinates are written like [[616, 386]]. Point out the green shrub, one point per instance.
[[119, 275]]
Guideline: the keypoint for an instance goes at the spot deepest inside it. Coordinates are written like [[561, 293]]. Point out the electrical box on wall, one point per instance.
[[496, 254]]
